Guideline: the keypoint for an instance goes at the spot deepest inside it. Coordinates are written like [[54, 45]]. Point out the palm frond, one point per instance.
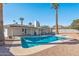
[[54, 5]]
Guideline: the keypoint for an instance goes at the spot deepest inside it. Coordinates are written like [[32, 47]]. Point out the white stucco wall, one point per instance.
[[5, 33], [67, 30]]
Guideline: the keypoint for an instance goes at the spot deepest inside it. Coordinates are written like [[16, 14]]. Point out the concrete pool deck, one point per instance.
[[60, 50], [18, 51], [47, 50], [25, 51]]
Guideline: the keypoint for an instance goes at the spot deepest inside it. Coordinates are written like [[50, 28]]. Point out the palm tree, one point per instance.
[[55, 6], [21, 19], [1, 25]]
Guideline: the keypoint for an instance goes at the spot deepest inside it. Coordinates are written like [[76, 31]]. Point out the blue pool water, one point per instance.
[[31, 41]]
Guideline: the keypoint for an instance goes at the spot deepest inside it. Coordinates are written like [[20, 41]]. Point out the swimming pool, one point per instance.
[[31, 41]]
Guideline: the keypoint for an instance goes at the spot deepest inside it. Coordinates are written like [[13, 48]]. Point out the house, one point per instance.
[[25, 30]]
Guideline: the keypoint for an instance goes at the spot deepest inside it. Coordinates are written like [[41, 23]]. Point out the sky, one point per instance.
[[40, 11]]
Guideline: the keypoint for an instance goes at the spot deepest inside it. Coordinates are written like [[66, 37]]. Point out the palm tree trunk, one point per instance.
[[1, 25], [56, 11]]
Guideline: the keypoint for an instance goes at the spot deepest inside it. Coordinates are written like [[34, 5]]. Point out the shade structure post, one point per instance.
[[1, 25]]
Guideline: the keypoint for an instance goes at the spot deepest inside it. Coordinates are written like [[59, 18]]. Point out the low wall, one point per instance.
[[67, 31]]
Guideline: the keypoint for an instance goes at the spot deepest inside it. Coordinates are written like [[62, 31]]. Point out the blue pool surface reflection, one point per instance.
[[31, 41]]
